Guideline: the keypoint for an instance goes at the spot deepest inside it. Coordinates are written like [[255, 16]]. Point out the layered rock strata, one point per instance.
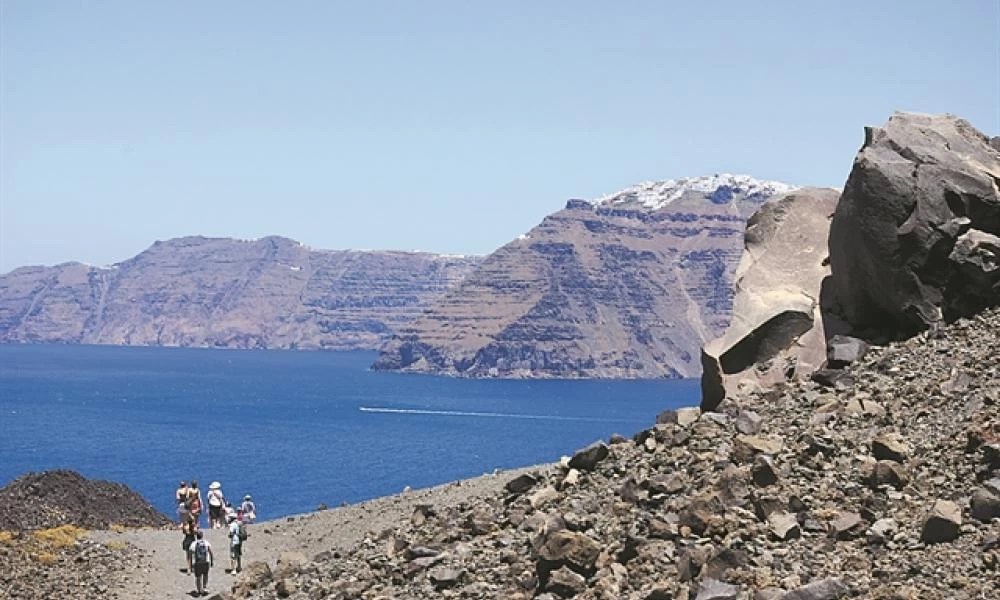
[[628, 285], [220, 292]]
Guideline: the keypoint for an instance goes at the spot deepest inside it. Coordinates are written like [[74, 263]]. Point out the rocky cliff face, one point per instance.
[[628, 285], [267, 293]]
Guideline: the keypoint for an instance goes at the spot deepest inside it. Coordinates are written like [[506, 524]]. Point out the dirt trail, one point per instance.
[[338, 529]]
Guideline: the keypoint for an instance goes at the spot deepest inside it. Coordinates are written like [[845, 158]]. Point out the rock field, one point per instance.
[[884, 487]]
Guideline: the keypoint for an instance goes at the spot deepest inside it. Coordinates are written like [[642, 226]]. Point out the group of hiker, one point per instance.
[[221, 513]]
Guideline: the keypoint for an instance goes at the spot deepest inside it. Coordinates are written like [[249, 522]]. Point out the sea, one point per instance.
[[293, 429]]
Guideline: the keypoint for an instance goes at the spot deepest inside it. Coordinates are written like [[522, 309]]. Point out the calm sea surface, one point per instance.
[[292, 428]]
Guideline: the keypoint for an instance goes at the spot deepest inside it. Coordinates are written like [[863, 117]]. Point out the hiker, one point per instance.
[[181, 496], [230, 511], [216, 502], [189, 529], [195, 504], [201, 550], [249, 509], [237, 535]]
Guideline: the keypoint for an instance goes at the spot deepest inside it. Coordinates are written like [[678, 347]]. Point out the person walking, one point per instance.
[[216, 503], [190, 530], [237, 535], [180, 498], [201, 550], [195, 502], [249, 510]]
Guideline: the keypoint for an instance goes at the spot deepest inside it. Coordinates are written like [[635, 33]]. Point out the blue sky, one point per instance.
[[443, 126]]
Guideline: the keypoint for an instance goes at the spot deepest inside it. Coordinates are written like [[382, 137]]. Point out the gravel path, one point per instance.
[[338, 529]]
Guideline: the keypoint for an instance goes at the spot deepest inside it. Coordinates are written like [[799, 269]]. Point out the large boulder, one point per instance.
[[777, 306], [913, 240]]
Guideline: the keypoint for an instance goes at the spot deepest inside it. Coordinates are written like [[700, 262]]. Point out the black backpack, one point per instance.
[[200, 552], [243, 533]]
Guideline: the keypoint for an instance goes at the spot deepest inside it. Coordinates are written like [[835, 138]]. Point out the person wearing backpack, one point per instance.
[[237, 535], [249, 509], [216, 502], [201, 551]]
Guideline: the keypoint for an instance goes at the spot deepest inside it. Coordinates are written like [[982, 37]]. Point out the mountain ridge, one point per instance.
[[272, 292]]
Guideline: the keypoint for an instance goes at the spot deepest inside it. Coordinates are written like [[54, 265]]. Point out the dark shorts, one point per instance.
[[186, 544], [201, 568], [235, 550], [215, 512]]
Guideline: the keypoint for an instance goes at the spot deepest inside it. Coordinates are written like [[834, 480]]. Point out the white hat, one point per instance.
[[214, 485]]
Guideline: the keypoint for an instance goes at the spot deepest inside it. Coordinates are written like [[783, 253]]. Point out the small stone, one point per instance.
[[748, 422], [521, 483], [713, 589], [687, 415], [587, 458], [565, 583], [670, 483], [882, 531], [443, 578], [784, 525], [573, 548], [825, 589], [943, 523], [847, 525], [985, 505], [843, 350], [572, 478], [763, 471], [544, 496], [888, 472], [890, 447], [286, 587], [833, 378]]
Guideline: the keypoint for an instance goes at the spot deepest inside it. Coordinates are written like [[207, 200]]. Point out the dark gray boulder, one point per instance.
[[985, 505], [913, 241], [587, 459]]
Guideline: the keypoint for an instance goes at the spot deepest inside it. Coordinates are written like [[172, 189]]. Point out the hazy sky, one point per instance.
[[444, 126]]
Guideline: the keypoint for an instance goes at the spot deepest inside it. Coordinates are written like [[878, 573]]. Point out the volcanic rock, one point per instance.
[[890, 447], [587, 459], [566, 583], [826, 589], [53, 498], [843, 350], [713, 589], [919, 185], [943, 523], [985, 505], [777, 324]]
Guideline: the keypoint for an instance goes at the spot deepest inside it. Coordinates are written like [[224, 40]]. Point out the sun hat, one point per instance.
[[247, 497], [214, 485]]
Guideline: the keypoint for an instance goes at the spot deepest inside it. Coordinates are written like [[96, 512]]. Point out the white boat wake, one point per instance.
[[490, 415]]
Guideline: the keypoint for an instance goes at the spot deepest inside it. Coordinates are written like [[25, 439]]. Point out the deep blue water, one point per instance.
[[292, 428]]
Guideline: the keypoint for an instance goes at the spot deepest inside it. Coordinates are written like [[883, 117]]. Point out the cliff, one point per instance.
[[220, 292], [628, 285]]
